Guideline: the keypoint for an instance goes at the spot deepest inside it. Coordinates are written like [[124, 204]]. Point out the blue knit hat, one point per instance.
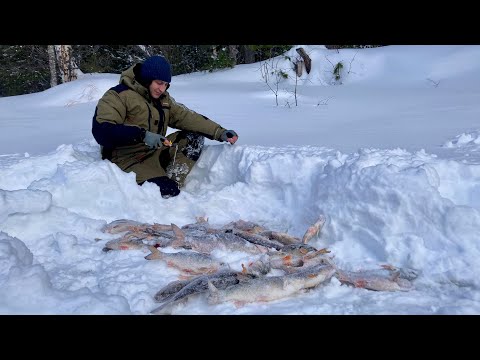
[[156, 68]]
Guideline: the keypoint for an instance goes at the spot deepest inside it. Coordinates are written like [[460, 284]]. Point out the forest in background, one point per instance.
[[26, 69]]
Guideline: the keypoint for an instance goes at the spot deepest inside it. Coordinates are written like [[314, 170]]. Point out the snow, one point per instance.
[[389, 154]]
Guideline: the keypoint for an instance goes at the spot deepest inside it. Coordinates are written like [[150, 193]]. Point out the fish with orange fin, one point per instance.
[[138, 240], [314, 230], [389, 278], [123, 225], [188, 262], [318, 257], [281, 259], [300, 248], [257, 239], [180, 291], [282, 237], [404, 273], [259, 267], [270, 288], [246, 226], [124, 245], [294, 258], [206, 242]]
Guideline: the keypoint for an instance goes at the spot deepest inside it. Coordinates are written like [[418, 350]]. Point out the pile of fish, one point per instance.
[[301, 266]]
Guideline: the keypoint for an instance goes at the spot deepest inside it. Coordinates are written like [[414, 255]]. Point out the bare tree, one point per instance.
[[145, 49], [336, 72], [435, 83], [233, 52], [338, 69], [350, 67], [248, 54], [52, 65], [269, 68], [324, 101], [272, 75], [295, 89], [306, 59], [298, 64], [66, 63], [298, 67]]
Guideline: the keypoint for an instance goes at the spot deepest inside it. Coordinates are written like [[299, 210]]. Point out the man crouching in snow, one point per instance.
[[131, 121]]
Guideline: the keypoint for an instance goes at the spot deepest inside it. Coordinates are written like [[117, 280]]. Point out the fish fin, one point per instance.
[[201, 219], [360, 283], [179, 234], [244, 269], [388, 267], [155, 253], [395, 275], [314, 230], [213, 294], [287, 260], [160, 310], [239, 304], [159, 227]]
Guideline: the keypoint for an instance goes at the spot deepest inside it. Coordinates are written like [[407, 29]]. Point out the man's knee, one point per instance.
[[193, 145]]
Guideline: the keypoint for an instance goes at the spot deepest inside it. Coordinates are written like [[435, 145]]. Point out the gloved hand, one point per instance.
[[230, 136], [152, 140]]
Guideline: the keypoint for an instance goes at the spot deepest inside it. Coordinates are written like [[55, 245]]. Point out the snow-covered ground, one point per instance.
[[389, 154]]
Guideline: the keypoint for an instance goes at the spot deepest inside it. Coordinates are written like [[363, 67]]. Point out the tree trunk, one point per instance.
[[214, 52], [52, 65], [249, 55], [233, 51], [145, 50], [298, 67], [306, 59], [66, 63]]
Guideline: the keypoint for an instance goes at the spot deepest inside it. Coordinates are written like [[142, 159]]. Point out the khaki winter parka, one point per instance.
[[126, 109]]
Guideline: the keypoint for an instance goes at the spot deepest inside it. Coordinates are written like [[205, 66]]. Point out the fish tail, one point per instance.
[[213, 294]]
